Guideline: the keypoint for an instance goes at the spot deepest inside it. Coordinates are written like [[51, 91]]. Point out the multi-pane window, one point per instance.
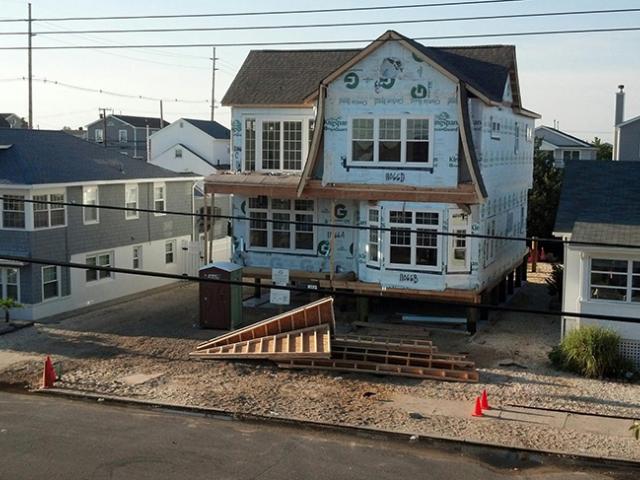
[[250, 144], [99, 135], [170, 252], [617, 280], [460, 245], [46, 214], [571, 155], [373, 245], [390, 140], [159, 200], [131, 200], [281, 223], [137, 257], [101, 260], [90, 197], [495, 128], [13, 211], [413, 239], [10, 283], [271, 145], [122, 136], [50, 282], [292, 152]]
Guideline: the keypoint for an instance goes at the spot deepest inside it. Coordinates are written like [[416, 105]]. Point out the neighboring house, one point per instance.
[[54, 166], [626, 135], [13, 121], [124, 133], [600, 203], [563, 147], [416, 140], [202, 147], [80, 132]]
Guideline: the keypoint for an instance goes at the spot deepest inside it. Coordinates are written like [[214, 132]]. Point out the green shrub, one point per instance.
[[554, 282], [591, 352]]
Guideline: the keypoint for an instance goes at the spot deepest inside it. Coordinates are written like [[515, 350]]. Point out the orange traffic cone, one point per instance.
[[477, 411], [49, 374], [484, 401]]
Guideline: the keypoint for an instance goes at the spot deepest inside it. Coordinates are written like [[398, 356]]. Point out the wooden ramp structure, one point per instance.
[[305, 338]]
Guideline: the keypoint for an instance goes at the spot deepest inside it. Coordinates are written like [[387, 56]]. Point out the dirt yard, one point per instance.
[[139, 349]]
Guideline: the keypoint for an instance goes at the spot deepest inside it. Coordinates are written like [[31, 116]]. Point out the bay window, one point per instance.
[[283, 224], [614, 280], [397, 141], [13, 215], [47, 215], [413, 239]]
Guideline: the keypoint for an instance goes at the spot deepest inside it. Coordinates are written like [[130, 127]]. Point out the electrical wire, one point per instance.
[[318, 290], [328, 225], [265, 13], [328, 25], [332, 42]]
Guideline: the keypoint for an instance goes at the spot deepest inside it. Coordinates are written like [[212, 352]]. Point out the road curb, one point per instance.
[[487, 452]]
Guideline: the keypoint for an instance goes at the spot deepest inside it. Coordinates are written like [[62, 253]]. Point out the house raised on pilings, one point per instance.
[[426, 144]]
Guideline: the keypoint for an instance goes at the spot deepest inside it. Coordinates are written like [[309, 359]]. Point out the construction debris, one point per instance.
[[305, 338]]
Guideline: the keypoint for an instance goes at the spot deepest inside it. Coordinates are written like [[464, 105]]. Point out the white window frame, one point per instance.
[[136, 255], [258, 121], [98, 134], [403, 141], [58, 281], [85, 200], [108, 276], [495, 127], [374, 237], [413, 227], [292, 212], [458, 224], [173, 251], [4, 282], [516, 140], [629, 275], [529, 133], [123, 138], [128, 196], [49, 208], [15, 198], [158, 199]]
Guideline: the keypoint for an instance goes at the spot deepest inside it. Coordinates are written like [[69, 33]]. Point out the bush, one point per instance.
[[554, 282], [591, 352]]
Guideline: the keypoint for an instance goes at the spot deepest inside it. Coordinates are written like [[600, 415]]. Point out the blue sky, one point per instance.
[[568, 78]]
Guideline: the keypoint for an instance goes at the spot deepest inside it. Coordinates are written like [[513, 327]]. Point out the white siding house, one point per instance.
[[415, 140], [599, 209]]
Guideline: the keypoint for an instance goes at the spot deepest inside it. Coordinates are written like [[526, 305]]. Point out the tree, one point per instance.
[[545, 195], [7, 304], [605, 150]]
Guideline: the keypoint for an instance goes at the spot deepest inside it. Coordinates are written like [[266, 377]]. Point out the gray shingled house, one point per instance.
[[600, 203], [124, 133], [54, 166], [564, 147]]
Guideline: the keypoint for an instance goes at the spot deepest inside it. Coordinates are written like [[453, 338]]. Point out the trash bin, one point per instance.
[[220, 303]]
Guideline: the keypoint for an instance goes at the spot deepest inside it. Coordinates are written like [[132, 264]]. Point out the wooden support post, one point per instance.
[[534, 254], [524, 269], [502, 291], [510, 282], [212, 224], [472, 319], [362, 306], [518, 275], [206, 229], [484, 313]]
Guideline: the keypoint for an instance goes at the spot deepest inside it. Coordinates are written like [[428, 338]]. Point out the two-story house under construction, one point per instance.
[[415, 146], [39, 171]]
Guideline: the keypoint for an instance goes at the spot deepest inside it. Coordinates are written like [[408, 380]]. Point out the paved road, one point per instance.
[[52, 438]]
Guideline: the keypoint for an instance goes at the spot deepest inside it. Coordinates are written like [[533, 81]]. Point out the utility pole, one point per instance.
[[30, 76], [161, 116], [213, 84], [103, 114]]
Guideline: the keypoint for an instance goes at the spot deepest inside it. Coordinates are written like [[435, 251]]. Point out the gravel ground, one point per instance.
[[139, 349]]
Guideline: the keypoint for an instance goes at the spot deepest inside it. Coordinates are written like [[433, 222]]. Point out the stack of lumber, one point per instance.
[[305, 338]]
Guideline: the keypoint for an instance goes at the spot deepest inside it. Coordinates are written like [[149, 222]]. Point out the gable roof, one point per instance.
[[141, 122], [560, 139], [46, 156], [211, 128], [600, 201]]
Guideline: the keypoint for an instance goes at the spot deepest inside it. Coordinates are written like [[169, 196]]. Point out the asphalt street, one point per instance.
[[54, 438]]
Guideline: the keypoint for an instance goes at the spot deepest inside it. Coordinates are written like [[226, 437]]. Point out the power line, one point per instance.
[[321, 291], [425, 229], [260, 13], [333, 42], [329, 25]]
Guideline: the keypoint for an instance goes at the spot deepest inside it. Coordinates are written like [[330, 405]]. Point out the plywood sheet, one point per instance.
[[313, 342], [315, 313]]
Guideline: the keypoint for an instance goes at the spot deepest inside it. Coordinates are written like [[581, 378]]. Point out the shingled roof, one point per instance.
[[211, 128], [141, 122], [288, 77], [31, 157], [600, 201]]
